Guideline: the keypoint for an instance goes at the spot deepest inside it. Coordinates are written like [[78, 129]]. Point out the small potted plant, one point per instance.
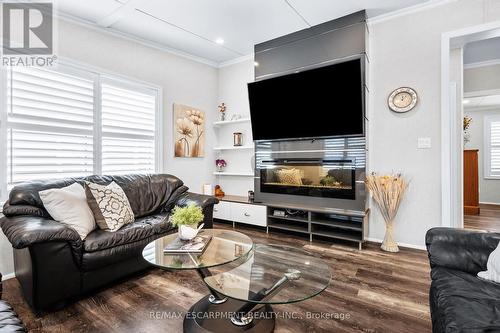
[[187, 219], [220, 164]]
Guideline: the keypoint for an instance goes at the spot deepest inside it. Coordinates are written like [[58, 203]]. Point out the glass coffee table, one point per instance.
[[245, 281]]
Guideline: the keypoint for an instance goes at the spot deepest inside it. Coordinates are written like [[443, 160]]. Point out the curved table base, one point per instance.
[[205, 317]]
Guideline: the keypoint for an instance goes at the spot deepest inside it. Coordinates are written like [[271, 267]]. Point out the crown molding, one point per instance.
[[408, 10], [113, 32], [479, 64], [236, 60]]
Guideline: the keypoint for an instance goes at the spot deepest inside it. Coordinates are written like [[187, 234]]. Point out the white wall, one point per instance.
[[406, 51], [489, 189], [183, 81], [482, 78]]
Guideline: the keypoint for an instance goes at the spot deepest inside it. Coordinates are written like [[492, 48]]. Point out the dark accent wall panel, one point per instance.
[[317, 46], [335, 41]]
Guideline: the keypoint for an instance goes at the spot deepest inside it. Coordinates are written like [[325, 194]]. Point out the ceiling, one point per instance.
[[193, 26], [481, 51]]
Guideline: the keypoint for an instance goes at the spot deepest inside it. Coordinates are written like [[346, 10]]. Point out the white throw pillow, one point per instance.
[[493, 267], [110, 205], [68, 205]]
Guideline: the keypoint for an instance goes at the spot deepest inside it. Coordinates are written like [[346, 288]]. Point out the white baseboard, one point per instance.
[[411, 246], [8, 276], [489, 203]]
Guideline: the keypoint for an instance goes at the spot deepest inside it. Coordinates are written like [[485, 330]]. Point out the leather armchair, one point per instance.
[[459, 300], [9, 321], [52, 263]]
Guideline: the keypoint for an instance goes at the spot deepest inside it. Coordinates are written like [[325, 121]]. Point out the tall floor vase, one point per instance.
[[389, 244], [387, 191]]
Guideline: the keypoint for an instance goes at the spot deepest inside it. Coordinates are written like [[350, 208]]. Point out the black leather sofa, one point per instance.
[[459, 300], [9, 321], [52, 263]]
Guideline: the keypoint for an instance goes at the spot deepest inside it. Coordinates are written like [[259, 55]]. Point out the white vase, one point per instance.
[[187, 233]]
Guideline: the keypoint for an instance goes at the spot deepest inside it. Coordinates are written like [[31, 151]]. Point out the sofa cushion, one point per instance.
[[142, 228], [462, 302], [9, 321]]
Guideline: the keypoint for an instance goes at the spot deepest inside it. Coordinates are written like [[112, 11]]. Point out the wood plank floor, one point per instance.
[[371, 291], [488, 219]]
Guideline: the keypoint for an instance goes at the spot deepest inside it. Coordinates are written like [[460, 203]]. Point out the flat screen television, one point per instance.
[[321, 102]]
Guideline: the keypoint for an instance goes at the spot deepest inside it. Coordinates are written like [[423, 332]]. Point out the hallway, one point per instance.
[[488, 219]]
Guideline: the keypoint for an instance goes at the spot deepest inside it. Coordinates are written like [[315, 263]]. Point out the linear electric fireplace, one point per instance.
[[312, 173], [330, 178]]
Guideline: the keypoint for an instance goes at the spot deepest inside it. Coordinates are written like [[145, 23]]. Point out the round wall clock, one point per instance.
[[402, 99]]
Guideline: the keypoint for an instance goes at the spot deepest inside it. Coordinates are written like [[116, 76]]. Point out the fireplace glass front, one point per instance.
[[309, 177]]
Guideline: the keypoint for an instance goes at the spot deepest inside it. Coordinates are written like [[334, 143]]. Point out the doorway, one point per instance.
[[481, 135], [454, 95]]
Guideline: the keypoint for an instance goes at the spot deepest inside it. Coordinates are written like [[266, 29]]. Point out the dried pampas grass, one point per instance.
[[387, 191]]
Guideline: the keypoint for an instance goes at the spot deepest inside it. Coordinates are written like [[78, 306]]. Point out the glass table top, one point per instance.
[[226, 246], [273, 274]]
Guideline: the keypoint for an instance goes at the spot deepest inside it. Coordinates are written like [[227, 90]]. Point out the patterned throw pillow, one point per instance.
[[110, 205], [289, 176]]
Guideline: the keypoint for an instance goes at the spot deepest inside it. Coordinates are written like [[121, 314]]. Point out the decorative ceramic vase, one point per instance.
[[187, 233], [237, 139], [222, 116], [220, 168]]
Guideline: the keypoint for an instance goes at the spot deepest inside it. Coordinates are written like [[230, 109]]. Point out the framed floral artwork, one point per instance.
[[189, 131]]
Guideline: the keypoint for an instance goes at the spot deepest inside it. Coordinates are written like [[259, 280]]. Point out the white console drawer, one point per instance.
[[250, 214], [222, 210]]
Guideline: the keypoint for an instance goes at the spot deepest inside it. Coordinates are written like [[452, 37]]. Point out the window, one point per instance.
[[128, 130], [492, 147], [70, 122]]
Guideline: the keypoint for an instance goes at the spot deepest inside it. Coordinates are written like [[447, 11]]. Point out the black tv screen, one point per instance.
[[321, 102]]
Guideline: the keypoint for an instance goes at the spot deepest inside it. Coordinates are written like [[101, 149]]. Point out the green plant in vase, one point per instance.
[[187, 219]]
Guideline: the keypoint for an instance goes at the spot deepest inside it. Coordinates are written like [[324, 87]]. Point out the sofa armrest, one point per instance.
[[460, 249], [206, 202], [23, 231]]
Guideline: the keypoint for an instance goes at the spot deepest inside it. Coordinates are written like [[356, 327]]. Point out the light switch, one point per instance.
[[424, 143]]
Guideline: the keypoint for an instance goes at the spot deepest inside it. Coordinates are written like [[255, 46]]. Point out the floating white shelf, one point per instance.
[[235, 174], [233, 147], [228, 122]]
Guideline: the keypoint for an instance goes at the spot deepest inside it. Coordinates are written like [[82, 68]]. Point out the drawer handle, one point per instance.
[[246, 214], [216, 210]]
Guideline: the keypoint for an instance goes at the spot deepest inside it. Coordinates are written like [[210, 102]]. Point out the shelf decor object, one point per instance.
[[467, 122], [237, 139], [220, 164], [387, 191], [222, 110]]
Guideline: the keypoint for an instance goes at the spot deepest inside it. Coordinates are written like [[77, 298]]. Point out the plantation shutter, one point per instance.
[[49, 124], [494, 148], [128, 129]]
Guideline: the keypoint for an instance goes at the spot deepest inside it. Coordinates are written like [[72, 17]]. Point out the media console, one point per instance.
[[312, 222]]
